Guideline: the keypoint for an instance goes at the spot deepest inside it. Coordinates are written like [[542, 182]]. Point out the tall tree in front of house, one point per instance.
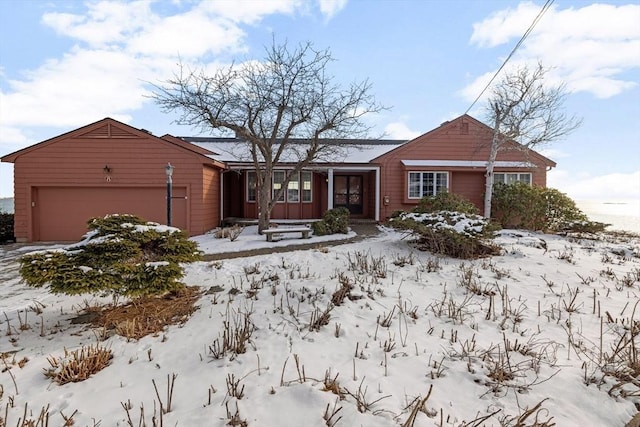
[[286, 108], [524, 109]]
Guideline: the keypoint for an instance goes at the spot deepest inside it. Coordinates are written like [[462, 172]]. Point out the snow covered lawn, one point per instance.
[[371, 333]]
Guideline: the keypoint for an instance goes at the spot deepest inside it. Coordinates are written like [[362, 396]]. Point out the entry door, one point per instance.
[[347, 192]]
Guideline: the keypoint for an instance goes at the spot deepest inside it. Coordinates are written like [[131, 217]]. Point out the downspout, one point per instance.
[[330, 190], [377, 212]]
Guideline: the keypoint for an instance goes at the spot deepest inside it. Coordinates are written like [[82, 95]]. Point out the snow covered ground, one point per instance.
[[479, 342]]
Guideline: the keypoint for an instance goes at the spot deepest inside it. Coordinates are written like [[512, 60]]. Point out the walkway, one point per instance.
[[363, 231]]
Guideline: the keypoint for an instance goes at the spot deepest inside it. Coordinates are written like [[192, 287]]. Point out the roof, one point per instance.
[[465, 117], [124, 130], [355, 150]]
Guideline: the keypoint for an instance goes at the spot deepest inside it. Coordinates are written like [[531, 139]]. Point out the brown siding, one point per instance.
[[209, 216], [462, 139], [134, 159]]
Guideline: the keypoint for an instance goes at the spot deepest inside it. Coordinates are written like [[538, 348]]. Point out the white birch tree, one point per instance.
[[523, 109]]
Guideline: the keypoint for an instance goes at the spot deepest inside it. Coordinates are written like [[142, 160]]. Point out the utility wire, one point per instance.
[[546, 6]]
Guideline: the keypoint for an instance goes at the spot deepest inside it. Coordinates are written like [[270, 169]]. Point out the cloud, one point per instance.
[[590, 48], [120, 46], [330, 7], [399, 130], [12, 136], [584, 186]]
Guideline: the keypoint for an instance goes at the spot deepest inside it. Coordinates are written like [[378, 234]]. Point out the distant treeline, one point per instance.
[[6, 205]]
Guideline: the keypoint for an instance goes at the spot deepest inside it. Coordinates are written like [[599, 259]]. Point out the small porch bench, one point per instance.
[[269, 232]]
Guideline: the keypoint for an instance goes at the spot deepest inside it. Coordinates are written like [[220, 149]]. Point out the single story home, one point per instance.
[[109, 167]]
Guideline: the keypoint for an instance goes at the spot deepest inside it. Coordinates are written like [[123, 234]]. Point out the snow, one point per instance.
[[439, 335], [361, 153]]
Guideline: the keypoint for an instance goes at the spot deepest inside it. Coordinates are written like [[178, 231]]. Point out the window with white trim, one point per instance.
[[305, 184], [422, 184], [278, 179], [251, 186], [299, 185], [511, 177]]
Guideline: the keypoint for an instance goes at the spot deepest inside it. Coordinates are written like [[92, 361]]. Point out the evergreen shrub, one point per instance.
[[6, 227], [333, 221], [446, 201], [537, 208], [453, 234], [120, 255]]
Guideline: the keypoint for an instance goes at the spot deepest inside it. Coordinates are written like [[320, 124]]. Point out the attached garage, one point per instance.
[[62, 212], [109, 167]]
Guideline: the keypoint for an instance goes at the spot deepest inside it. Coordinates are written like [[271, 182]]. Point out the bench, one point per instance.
[[269, 232]]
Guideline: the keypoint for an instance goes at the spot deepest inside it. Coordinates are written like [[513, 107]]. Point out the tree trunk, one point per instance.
[[488, 183], [264, 213]]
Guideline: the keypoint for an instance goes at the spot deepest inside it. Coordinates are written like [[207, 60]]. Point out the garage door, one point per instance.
[[61, 213]]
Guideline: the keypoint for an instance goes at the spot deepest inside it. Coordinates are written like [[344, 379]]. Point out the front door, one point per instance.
[[347, 192]]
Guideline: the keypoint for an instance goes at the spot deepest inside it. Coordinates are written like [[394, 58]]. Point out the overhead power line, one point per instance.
[[546, 6]]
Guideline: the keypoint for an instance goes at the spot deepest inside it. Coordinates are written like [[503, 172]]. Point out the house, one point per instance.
[[110, 167]]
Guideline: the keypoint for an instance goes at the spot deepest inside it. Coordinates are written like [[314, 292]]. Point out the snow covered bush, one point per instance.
[[536, 208], [120, 255], [446, 201], [454, 234]]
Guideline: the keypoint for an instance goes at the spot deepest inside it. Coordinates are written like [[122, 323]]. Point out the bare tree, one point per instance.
[[286, 108], [524, 110]]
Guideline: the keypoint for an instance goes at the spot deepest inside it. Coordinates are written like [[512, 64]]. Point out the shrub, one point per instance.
[[78, 365], [446, 202], [452, 234], [120, 255], [333, 221], [532, 207], [6, 227]]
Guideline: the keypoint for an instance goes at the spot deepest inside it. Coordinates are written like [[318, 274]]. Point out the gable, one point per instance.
[[464, 139], [108, 130]]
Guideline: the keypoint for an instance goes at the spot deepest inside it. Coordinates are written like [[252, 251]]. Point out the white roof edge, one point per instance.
[[466, 163]]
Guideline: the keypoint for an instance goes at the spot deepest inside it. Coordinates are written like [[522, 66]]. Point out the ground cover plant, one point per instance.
[[369, 333], [121, 255], [447, 224]]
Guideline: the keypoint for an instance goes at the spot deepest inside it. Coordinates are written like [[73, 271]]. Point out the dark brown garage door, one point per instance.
[[61, 213]]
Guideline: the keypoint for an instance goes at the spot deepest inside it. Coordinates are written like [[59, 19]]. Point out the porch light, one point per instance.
[[106, 169], [169, 171]]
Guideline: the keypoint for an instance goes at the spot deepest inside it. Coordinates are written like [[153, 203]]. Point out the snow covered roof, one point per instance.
[[353, 151]]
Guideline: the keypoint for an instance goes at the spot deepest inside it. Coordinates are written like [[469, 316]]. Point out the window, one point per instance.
[[293, 189], [423, 184], [300, 182], [251, 186], [278, 179], [511, 177], [305, 182]]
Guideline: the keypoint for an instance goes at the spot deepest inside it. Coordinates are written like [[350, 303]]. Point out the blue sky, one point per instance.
[[67, 63]]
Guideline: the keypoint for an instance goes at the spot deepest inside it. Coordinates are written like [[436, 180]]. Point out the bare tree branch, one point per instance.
[[525, 110], [285, 107]]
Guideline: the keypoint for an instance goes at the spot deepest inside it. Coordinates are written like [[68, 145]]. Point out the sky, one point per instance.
[[65, 64]]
